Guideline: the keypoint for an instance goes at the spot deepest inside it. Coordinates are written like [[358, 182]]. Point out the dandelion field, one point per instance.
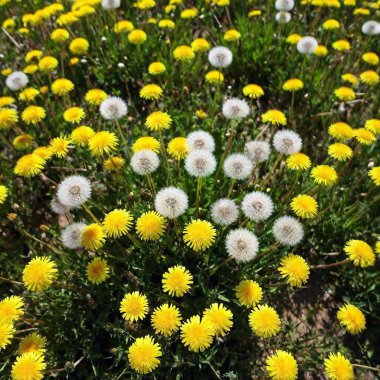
[[189, 189]]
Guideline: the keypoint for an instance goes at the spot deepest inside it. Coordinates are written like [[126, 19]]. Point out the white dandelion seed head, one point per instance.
[[284, 5], [71, 236], [58, 207], [220, 56], [287, 142], [235, 108], [307, 45], [110, 4], [257, 206], [200, 140], [237, 166], [257, 151], [288, 230], [283, 17], [200, 163], [242, 245], [371, 28], [16, 81], [224, 211], [144, 162], [113, 108], [73, 191], [171, 202]]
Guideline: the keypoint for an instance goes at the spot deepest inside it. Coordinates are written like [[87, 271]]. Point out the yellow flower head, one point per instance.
[[143, 355], [60, 145], [253, 91], [30, 366], [81, 135], [360, 253], [295, 270], [39, 274], [255, 13], [183, 53], [62, 86], [214, 76], [166, 24], [200, 45], [371, 58], [331, 24], [134, 306], [373, 125], [123, 26], [320, 51], [95, 96], [189, 13], [370, 77], [219, 319], [374, 174], [59, 35], [293, 39], [249, 293], [199, 235], [28, 94], [324, 175], [157, 121], [150, 226], [341, 45], [6, 101], [304, 206], [298, 161], [93, 236], [351, 78], [156, 68], [177, 281], [337, 367], [97, 271], [29, 165], [282, 366], [103, 142], [196, 334], [22, 142], [166, 319], [117, 223], [44, 152], [137, 37], [232, 35], [11, 308], [293, 85], [264, 321], [6, 333], [345, 94], [340, 152], [32, 343], [178, 148], [3, 194], [33, 114], [8, 117], [47, 64], [74, 115], [114, 163], [274, 117], [351, 318], [146, 143], [364, 136], [79, 46], [151, 92], [341, 131]]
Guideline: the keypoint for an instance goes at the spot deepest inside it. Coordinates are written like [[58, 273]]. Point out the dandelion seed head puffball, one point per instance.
[[257, 151], [257, 206], [307, 45], [224, 211], [113, 108], [242, 245], [284, 5], [16, 81], [287, 142], [371, 28], [58, 207], [283, 17], [235, 108], [220, 56], [237, 166], [288, 230], [73, 191], [144, 162], [111, 4], [200, 140], [71, 236], [200, 163], [171, 202]]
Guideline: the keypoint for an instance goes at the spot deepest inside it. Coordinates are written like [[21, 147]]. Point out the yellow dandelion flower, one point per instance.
[[114, 163], [44, 152], [201, 114], [166, 24], [30, 69], [29, 366], [95, 96], [374, 174], [337, 367], [29, 165], [274, 117], [156, 68], [60, 146], [6, 101], [295, 270], [232, 35], [298, 161], [166, 319], [32, 343], [81, 135], [264, 321], [200, 45], [360, 253], [341, 45], [150, 226], [377, 247], [28, 94], [339, 151], [373, 125], [146, 143], [59, 35], [117, 223], [184, 53], [97, 271], [281, 365], [3, 193], [79, 46], [47, 64], [345, 94], [137, 37], [214, 76], [293, 85], [62, 86], [123, 26], [134, 306], [144, 354], [178, 148], [151, 92], [158, 121], [33, 115], [103, 142], [255, 13], [39, 273], [6, 333], [8, 117], [196, 334], [320, 51], [370, 77], [22, 142], [371, 58], [74, 115], [324, 175], [304, 206], [219, 319], [331, 24], [199, 235], [351, 78], [341, 131], [189, 13], [33, 55], [293, 39], [11, 308], [253, 91], [351, 318], [364, 136], [177, 281], [248, 293], [93, 236]]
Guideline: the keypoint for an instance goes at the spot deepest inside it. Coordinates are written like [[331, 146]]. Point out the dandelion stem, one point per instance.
[[327, 266], [92, 216], [231, 188], [198, 200], [10, 281], [120, 132], [367, 367]]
